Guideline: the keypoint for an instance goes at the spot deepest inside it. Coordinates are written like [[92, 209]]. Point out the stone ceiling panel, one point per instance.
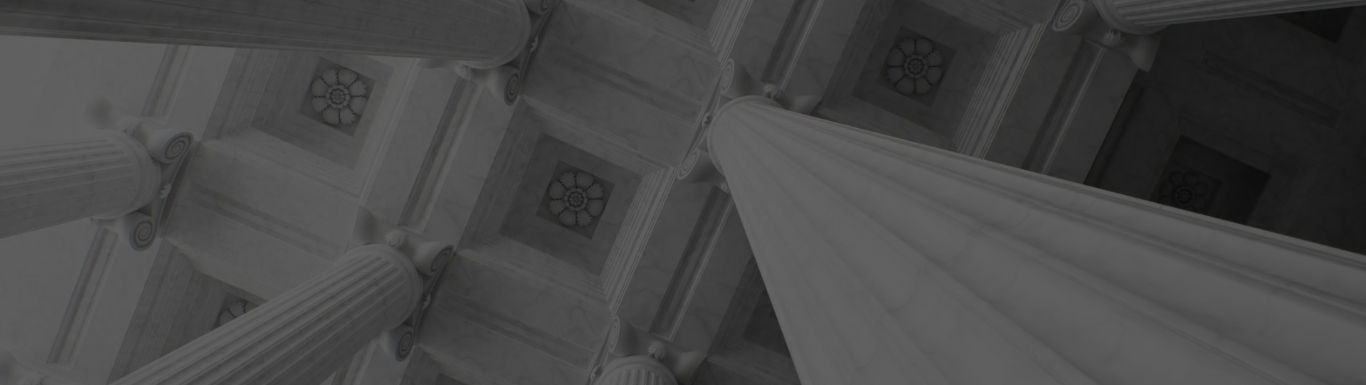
[[919, 64], [268, 110], [320, 103], [570, 204]]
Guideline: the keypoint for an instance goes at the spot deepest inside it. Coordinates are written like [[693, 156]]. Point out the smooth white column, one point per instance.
[[894, 262], [103, 174], [304, 335], [484, 33], [1148, 16]]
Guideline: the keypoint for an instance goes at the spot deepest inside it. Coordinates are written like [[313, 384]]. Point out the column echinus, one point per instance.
[[891, 262], [303, 335], [98, 173], [481, 33], [1147, 16]]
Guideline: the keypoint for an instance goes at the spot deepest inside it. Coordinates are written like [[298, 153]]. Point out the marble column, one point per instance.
[[1148, 16], [893, 262], [301, 336], [482, 33], [103, 174], [641, 358], [635, 370]]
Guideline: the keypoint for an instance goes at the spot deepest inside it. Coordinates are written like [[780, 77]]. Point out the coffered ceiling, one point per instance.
[[564, 207]]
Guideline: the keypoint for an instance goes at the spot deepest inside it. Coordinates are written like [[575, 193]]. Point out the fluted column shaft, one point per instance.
[[894, 262], [302, 336], [102, 174], [1148, 16], [485, 33], [635, 370]]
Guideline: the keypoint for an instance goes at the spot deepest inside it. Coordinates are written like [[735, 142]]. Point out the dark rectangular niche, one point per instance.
[[1199, 179], [763, 328], [1326, 23]]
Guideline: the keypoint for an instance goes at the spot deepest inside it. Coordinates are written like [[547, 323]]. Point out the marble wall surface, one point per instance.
[[177, 305], [453, 338], [41, 287], [736, 356], [1073, 123], [659, 261], [709, 289], [401, 186], [1270, 95], [766, 24], [818, 50], [656, 67], [256, 227], [619, 116], [474, 141], [1035, 99], [1081, 130], [695, 12]]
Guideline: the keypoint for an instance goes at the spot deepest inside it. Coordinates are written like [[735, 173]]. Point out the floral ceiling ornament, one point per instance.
[[233, 311], [340, 96], [576, 198], [1186, 190], [914, 66]]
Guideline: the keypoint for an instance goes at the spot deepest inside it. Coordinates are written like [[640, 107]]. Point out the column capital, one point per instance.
[[698, 166], [503, 76], [1095, 17], [1087, 20], [165, 152], [639, 355], [737, 82], [1112, 16], [635, 370]]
